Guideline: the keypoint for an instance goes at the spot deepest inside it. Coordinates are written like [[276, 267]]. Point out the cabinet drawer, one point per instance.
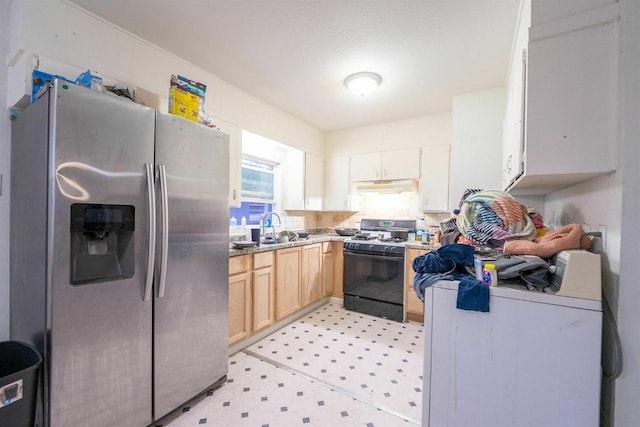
[[327, 247], [262, 259], [238, 264]]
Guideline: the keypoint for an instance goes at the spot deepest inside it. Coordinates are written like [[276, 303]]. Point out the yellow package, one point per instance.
[[184, 104]]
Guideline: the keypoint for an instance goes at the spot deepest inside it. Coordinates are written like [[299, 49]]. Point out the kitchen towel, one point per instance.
[[473, 295]]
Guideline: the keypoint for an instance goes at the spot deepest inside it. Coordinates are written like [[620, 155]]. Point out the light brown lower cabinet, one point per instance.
[[268, 286], [239, 298], [311, 273], [338, 265], [413, 305], [328, 270], [264, 291], [288, 295]]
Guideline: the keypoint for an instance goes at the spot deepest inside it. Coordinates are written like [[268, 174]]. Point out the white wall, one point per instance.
[[69, 40], [5, 162], [476, 144], [627, 390], [417, 132]]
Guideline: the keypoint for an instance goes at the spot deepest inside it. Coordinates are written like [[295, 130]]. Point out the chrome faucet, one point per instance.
[[263, 219]]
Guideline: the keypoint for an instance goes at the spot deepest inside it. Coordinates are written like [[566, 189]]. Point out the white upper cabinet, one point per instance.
[[293, 180], [313, 181], [570, 101], [235, 162], [366, 167], [513, 126], [337, 196], [386, 165], [303, 181], [434, 182]]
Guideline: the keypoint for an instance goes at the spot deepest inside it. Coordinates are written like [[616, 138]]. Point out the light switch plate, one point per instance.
[[599, 245]]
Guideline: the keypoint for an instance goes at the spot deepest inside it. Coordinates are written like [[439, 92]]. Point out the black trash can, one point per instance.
[[19, 373]]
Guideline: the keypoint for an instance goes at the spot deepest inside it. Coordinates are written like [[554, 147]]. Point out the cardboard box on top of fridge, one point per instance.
[[40, 80], [184, 104], [90, 79], [186, 97]]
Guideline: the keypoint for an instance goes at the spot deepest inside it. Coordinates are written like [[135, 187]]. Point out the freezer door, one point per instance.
[[191, 295], [99, 327]]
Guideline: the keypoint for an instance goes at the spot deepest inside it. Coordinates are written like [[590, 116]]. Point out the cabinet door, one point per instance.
[[313, 182], [415, 307], [264, 293], [235, 163], [401, 164], [288, 265], [572, 102], [337, 188], [311, 273], [366, 167], [239, 306], [434, 183], [293, 175], [328, 268], [338, 270], [514, 120]]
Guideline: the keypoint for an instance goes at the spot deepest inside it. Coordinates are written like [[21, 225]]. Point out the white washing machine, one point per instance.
[[532, 360]]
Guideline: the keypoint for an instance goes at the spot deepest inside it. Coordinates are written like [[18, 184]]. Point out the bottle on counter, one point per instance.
[[477, 264], [245, 231], [490, 275], [421, 231], [434, 232], [233, 222]]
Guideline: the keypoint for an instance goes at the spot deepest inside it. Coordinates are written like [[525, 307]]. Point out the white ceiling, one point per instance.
[[295, 54]]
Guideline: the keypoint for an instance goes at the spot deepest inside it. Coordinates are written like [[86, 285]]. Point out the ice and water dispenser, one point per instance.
[[102, 242]]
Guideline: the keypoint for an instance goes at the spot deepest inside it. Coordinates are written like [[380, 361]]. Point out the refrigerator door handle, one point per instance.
[[164, 208], [151, 192]]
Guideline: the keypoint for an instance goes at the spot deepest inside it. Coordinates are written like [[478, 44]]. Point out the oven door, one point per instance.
[[374, 284]]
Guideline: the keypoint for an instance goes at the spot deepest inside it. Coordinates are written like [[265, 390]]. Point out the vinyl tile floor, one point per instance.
[[332, 367]]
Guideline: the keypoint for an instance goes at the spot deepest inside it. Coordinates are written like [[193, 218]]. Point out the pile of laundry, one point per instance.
[[494, 220]]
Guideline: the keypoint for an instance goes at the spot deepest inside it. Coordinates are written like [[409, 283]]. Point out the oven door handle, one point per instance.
[[383, 258]]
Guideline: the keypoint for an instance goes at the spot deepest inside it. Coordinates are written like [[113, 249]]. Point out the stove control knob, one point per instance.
[[388, 248], [371, 247]]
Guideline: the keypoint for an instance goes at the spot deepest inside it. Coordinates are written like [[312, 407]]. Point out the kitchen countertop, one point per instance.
[[313, 238], [419, 245]]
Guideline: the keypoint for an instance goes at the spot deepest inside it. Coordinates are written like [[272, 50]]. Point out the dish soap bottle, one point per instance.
[[233, 222], [245, 232], [421, 231]]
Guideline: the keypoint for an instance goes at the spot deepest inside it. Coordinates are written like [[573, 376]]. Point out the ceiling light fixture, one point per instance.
[[362, 83]]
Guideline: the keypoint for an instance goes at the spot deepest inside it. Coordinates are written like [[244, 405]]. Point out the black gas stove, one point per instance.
[[373, 274]]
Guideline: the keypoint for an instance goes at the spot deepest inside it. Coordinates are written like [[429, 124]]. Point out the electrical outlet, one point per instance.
[[600, 242]]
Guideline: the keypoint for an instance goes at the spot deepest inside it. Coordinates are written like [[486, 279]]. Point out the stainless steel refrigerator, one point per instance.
[[119, 256]]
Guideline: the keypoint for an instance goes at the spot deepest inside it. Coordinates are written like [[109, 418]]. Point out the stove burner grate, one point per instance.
[[393, 240], [362, 237]]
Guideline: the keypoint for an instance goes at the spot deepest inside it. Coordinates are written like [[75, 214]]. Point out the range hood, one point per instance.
[[385, 186]]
